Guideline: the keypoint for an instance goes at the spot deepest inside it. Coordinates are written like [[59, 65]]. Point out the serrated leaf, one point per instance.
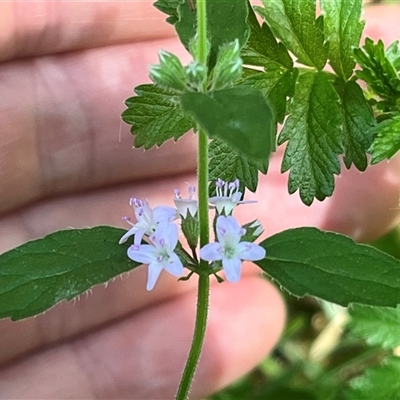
[[378, 326], [393, 55], [239, 116], [358, 120], [294, 23], [226, 22], [314, 137], [156, 116], [39, 274], [330, 266], [387, 141], [379, 72], [377, 383], [169, 7], [276, 84], [228, 164], [343, 30], [262, 48]]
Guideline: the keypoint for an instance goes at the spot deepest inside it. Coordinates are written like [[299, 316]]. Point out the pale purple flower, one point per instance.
[[160, 254], [188, 205], [229, 249], [228, 196], [147, 219]]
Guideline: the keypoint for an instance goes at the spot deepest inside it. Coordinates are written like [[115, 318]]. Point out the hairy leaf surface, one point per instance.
[[343, 30], [314, 137], [262, 48], [39, 274], [387, 141], [377, 383], [156, 116], [276, 84], [358, 119], [330, 266], [228, 164], [239, 116], [294, 23], [378, 326]]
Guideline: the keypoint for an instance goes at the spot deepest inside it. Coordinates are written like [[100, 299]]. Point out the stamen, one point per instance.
[[177, 193], [192, 191], [135, 247], [126, 218]]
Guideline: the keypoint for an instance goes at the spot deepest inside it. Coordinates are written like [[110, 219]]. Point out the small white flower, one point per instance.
[[160, 254], [230, 249], [147, 219], [228, 196], [188, 205]]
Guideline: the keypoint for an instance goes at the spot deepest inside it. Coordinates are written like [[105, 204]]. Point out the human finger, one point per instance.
[[49, 27], [142, 356]]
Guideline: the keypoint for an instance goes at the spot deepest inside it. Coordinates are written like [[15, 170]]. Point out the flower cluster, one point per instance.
[[158, 228]]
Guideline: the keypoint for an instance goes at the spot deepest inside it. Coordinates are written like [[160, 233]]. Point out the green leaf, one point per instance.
[[358, 119], [377, 383], [387, 141], [379, 326], [343, 30], [226, 22], [393, 55], [294, 23], [379, 72], [315, 138], [228, 164], [156, 116], [330, 266], [39, 274], [169, 7], [240, 116], [262, 49], [276, 84]]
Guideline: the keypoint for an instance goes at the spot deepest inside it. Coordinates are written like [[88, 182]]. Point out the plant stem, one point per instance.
[[202, 31], [202, 183], [198, 337]]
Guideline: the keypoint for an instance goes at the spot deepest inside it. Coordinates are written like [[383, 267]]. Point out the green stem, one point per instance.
[[202, 184], [198, 337], [202, 31]]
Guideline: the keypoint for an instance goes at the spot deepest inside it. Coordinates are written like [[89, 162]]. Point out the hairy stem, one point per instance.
[[202, 177], [198, 337]]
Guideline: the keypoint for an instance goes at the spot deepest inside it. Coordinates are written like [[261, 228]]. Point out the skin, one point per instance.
[[67, 160]]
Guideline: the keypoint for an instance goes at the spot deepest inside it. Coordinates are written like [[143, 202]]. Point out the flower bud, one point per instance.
[[170, 73]]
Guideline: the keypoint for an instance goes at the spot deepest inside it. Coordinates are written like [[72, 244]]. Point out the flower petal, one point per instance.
[[144, 253], [232, 268], [152, 275], [164, 213], [228, 229], [138, 236], [166, 235], [127, 234], [174, 266], [250, 251], [211, 252]]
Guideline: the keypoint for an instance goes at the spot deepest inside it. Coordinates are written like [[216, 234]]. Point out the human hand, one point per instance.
[[65, 160]]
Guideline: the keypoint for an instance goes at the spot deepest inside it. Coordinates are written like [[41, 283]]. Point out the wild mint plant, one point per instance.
[[297, 68]]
